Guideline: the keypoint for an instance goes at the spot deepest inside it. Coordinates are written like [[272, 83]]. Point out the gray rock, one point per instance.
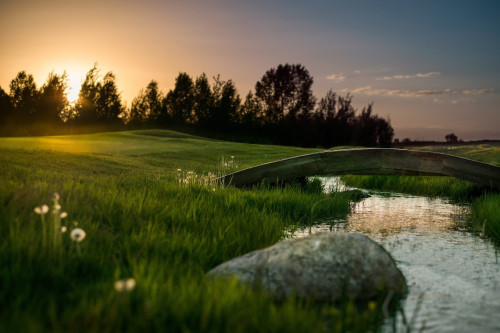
[[324, 267]]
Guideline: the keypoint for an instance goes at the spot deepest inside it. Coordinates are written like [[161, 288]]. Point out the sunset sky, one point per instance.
[[433, 67]]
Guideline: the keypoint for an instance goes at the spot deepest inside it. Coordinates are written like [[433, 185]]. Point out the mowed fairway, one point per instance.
[[123, 190]]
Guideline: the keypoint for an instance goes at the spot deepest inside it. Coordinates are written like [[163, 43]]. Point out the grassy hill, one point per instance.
[[141, 220], [150, 214]]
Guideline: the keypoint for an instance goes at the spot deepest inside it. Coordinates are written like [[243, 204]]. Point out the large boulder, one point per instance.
[[324, 267]]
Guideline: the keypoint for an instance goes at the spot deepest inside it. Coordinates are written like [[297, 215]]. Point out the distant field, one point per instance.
[[484, 152]]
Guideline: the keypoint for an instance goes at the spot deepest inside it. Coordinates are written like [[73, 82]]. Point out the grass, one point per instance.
[[485, 203], [122, 189]]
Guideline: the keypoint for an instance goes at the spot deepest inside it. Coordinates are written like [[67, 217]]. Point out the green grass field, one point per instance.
[[123, 190]]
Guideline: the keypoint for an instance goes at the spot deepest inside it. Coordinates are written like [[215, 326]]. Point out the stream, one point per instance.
[[453, 276]]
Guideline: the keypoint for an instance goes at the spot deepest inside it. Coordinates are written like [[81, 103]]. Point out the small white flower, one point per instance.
[[232, 157], [125, 285], [55, 196], [77, 234], [63, 215], [42, 210], [38, 210], [64, 229], [57, 207], [179, 170]]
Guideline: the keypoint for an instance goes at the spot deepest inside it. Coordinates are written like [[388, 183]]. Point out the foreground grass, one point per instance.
[[485, 204], [140, 223]]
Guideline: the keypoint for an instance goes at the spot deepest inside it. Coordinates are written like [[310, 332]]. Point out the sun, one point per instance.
[[75, 80]]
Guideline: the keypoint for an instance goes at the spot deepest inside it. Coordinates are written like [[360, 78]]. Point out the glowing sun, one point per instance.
[[75, 80]]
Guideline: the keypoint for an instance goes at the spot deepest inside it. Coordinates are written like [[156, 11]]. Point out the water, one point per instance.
[[455, 274]]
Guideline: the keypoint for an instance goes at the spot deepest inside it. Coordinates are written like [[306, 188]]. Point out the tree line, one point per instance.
[[281, 110]]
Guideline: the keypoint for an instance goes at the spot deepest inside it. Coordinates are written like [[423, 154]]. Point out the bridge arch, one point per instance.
[[367, 161]]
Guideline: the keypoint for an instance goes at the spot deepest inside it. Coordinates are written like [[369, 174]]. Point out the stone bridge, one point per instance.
[[367, 161]]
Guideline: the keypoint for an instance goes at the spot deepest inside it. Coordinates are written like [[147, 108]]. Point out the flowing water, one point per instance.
[[453, 276]]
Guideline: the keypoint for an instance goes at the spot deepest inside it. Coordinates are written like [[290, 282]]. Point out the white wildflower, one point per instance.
[[77, 234], [64, 229], [55, 196], [63, 215], [125, 285]]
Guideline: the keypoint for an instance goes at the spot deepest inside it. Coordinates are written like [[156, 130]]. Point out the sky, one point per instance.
[[431, 67]]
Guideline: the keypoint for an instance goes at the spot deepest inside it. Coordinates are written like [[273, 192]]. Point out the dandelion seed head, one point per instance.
[[57, 207], [130, 284], [63, 215], [44, 209], [38, 210], [125, 285], [179, 170], [77, 234], [64, 229]]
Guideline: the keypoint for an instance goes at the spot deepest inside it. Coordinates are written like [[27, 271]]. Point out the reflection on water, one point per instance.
[[391, 215], [456, 273]]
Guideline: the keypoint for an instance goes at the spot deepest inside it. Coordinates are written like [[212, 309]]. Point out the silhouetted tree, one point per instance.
[[203, 101], [99, 102], [384, 132], [451, 138], [6, 109], [139, 110], [108, 103], [325, 119], [250, 111], [226, 103], [286, 93], [85, 107], [24, 97], [53, 99], [180, 101], [366, 128], [147, 106]]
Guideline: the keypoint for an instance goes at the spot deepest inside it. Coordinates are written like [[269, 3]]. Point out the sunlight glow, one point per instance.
[[75, 80]]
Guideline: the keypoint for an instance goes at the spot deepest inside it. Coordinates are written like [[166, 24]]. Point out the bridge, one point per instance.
[[367, 161]]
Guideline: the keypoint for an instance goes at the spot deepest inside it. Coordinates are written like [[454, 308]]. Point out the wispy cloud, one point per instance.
[[336, 77], [407, 76], [357, 71], [477, 92], [398, 92]]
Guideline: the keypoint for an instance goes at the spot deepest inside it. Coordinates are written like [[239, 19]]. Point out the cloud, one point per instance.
[[397, 92], [406, 76], [336, 77], [477, 92], [463, 100], [357, 71]]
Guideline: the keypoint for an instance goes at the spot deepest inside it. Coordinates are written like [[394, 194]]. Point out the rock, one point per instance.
[[323, 267]]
